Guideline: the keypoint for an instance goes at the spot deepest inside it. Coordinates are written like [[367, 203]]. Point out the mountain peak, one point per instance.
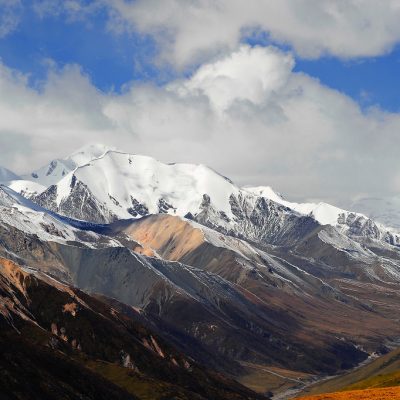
[[265, 191], [58, 168], [90, 151]]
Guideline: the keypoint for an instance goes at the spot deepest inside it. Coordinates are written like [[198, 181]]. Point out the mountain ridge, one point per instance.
[[323, 212], [233, 277], [150, 187]]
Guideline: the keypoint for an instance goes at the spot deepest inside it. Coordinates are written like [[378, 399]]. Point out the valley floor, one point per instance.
[[263, 379]]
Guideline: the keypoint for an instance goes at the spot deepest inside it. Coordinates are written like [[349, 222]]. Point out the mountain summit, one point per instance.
[[58, 168], [118, 185], [238, 280]]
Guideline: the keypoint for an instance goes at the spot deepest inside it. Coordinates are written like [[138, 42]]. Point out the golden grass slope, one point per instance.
[[391, 393], [381, 372]]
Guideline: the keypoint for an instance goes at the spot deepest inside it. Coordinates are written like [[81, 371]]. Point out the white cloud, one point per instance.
[[9, 16], [67, 109], [252, 74], [191, 31], [72, 9], [247, 114]]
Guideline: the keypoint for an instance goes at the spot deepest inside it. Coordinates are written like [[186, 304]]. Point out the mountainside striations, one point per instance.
[[227, 279]]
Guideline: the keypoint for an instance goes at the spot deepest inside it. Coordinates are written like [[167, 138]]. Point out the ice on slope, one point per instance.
[[57, 169], [116, 178]]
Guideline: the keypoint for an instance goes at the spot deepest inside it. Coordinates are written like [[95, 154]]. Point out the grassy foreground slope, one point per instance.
[[391, 393], [380, 373]]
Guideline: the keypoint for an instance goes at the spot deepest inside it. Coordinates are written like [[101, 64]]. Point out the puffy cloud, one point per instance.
[[252, 74], [9, 16], [246, 114], [190, 31], [65, 110]]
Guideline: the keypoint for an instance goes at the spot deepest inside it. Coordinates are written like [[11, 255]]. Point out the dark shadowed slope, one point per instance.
[[58, 342]]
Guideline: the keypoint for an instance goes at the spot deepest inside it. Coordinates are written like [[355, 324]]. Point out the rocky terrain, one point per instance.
[[234, 280], [59, 342]]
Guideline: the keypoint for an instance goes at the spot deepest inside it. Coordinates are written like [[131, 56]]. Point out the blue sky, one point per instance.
[[113, 59], [369, 81], [109, 59]]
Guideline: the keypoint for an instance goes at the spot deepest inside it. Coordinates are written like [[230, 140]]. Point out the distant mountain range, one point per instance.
[[109, 185], [233, 281]]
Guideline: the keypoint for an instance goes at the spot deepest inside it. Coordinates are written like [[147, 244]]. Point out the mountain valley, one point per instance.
[[171, 276]]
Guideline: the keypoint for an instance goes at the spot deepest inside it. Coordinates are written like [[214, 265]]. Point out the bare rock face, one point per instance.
[[135, 186], [137, 209], [228, 276], [127, 362], [259, 220], [238, 283], [80, 204]]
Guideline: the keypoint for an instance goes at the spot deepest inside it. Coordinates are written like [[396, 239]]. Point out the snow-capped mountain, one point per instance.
[[118, 185], [349, 222], [57, 169], [22, 214], [385, 211], [122, 186], [6, 175], [234, 294], [324, 213], [216, 304], [26, 188], [240, 273]]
